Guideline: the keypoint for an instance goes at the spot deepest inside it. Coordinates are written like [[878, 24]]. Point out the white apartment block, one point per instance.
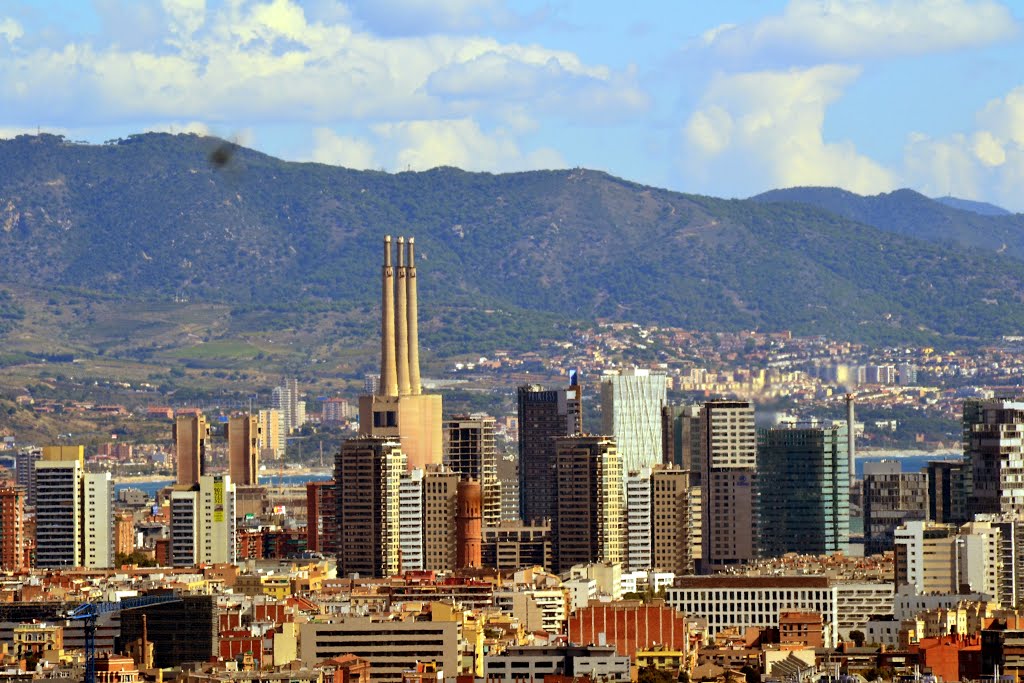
[[410, 520], [638, 520], [98, 520]]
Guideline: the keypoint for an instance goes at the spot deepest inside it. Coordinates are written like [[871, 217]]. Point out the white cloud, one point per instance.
[[765, 129], [829, 30], [419, 17], [10, 30], [421, 145], [267, 62], [337, 150]]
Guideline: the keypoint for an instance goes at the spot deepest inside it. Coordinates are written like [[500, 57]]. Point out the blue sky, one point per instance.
[[723, 98]]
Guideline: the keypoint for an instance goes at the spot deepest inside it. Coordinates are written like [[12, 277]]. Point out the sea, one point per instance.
[[909, 462], [151, 487]]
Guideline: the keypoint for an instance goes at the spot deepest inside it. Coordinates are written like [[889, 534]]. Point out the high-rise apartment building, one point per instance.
[[191, 433], [803, 490], [25, 472], [891, 498], [368, 473], [98, 520], [440, 509], [728, 484], [321, 509], [544, 415], [1011, 556], [671, 521], [410, 520], [638, 520], [925, 556], [631, 403], [589, 521], [272, 435], [994, 447], [203, 522], [286, 400], [400, 411], [59, 510], [947, 491], [471, 452], [12, 527], [243, 433]]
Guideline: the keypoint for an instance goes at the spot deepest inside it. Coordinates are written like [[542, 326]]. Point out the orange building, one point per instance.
[[12, 527], [951, 658], [116, 669], [629, 625], [801, 628], [124, 534]]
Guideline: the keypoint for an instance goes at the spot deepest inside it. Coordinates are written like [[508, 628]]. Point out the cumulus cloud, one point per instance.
[[338, 150], [267, 62], [830, 30], [10, 30], [421, 145], [765, 129]]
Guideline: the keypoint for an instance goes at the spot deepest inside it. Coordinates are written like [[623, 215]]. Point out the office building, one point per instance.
[[12, 528], [994, 448], [392, 647], [803, 490], [672, 521], [243, 433], [925, 556], [947, 491], [589, 521], [728, 445], [543, 416], [631, 403], [98, 520], [440, 510], [191, 434], [368, 472], [471, 452], [891, 498], [514, 545], [400, 411], [203, 522], [681, 438]]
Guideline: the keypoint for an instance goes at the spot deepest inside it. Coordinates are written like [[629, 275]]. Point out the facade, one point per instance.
[[994, 450], [1011, 556], [680, 427], [400, 411], [471, 452], [98, 520], [440, 509], [191, 433], [392, 647], [59, 512], [589, 523], [638, 520], [728, 484], [803, 490], [891, 498], [947, 491], [12, 528], [631, 403], [671, 525], [629, 626], [286, 402], [514, 545], [571, 662], [272, 436], [244, 449], [25, 472], [410, 520], [321, 533], [925, 557], [543, 415], [203, 523], [368, 473]]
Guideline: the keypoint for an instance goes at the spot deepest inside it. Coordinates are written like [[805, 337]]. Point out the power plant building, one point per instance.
[[400, 411]]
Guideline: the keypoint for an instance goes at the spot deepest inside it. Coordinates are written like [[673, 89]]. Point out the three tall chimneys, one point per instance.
[[399, 334]]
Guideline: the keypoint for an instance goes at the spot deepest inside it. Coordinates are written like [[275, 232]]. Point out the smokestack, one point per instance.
[[402, 322], [850, 440], [413, 314], [388, 379]]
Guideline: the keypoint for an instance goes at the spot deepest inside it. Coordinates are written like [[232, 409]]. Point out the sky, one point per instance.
[[725, 98]]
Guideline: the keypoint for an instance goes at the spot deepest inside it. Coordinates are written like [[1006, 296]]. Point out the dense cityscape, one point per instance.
[[647, 540]]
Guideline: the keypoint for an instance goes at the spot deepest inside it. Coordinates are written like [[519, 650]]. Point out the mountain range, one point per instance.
[[150, 218]]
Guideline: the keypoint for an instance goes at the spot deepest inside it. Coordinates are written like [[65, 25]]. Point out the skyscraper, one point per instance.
[[286, 402], [804, 490], [589, 521], [681, 438], [471, 452], [638, 520], [190, 435], [440, 512], [400, 410], [368, 473], [271, 434], [947, 491], [728, 484], [544, 415], [203, 522], [891, 497], [12, 527], [671, 525], [97, 520], [243, 449], [631, 403], [994, 448], [25, 472]]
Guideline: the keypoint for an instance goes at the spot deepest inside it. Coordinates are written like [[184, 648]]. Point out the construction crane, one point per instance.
[[88, 613]]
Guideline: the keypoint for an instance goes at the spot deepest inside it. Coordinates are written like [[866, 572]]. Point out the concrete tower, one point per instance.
[[243, 449], [399, 410], [190, 435]]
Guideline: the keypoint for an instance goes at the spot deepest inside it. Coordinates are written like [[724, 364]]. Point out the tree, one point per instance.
[[857, 637], [649, 674]]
